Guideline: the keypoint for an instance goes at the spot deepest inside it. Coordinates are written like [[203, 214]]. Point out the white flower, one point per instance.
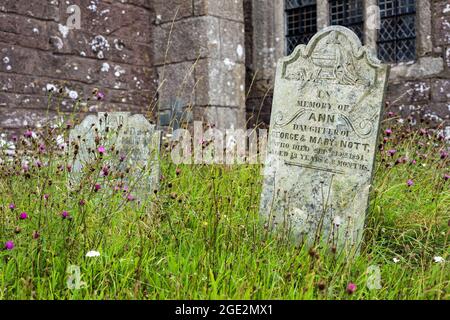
[[337, 220], [396, 260], [93, 253], [438, 259], [73, 95]]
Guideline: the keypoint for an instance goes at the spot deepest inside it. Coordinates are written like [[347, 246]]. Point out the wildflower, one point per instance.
[[69, 168], [100, 95], [122, 158], [337, 221], [9, 245], [36, 235], [25, 167], [38, 163], [438, 259], [392, 152], [388, 132], [12, 206], [82, 202], [64, 214], [46, 196], [41, 147], [93, 253], [391, 114], [413, 161], [105, 171], [409, 183], [23, 216], [97, 187], [28, 134], [321, 285], [351, 288], [396, 260], [130, 197], [444, 154], [446, 176], [101, 149]]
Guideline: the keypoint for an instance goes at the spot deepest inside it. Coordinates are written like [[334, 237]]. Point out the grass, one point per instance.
[[200, 236]]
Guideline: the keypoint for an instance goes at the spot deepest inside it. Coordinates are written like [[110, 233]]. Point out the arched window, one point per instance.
[[397, 34], [348, 13], [301, 22]]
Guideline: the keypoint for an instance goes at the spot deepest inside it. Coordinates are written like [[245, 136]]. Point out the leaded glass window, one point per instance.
[[348, 13], [301, 22], [397, 34]]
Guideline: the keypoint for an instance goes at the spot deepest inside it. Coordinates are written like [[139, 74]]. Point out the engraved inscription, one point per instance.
[[326, 111]]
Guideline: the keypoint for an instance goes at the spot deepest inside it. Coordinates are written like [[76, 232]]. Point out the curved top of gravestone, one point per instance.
[[338, 50]]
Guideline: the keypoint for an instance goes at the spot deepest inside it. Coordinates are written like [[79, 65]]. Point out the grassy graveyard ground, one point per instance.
[[199, 236]]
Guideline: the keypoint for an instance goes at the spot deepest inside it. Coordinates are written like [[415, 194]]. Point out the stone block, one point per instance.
[[168, 10], [220, 83], [177, 83], [440, 90], [408, 92], [186, 40]]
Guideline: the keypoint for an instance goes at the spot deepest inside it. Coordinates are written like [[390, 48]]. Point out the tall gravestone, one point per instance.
[[327, 106], [131, 153]]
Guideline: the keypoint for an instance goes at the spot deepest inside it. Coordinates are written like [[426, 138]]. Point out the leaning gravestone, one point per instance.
[[327, 105], [131, 153]]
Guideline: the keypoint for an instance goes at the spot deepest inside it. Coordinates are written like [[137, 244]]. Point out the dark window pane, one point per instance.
[[348, 13], [301, 22], [397, 34]]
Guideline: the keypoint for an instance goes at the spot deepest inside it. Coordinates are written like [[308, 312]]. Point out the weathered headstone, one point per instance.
[[327, 105], [131, 153]]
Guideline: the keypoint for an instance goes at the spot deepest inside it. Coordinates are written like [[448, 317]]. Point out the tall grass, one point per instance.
[[200, 237]]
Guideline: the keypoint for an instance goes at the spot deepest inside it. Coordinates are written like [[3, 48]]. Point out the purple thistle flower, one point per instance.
[[36, 235], [444, 154], [101, 149], [41, 147], [122, 158], [82, 202], [38, 163], [351, 288], [409, 183], [97, 187], [392, 152], [100, 95], [46, 196], [130, 197], [446, 176], [64, 214], [388, 132], [9, 245], [28, 134], [23, 216], [12, 206], [105, 171]]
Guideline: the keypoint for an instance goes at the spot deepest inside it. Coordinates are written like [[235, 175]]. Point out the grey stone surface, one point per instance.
[[132, 148], [327, 106]]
